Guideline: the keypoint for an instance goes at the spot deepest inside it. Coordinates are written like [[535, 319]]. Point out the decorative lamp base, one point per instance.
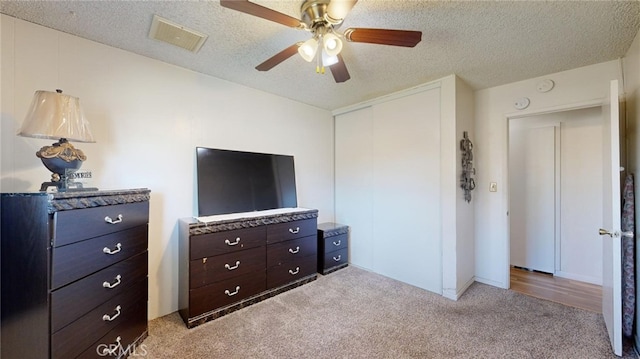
[[61, 186], [62, 158]]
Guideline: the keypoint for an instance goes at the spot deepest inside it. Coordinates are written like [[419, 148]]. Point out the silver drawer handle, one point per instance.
[[337, 243], [107, 318], [337, 259], [226, 291], [232, 244], [109, 220], [294, 251], [115, 346], [294, 231], [234, 267], [115, 284], [112, 252], [294, 272]]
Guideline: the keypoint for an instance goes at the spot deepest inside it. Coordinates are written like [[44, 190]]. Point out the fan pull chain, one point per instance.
[[319, 67]]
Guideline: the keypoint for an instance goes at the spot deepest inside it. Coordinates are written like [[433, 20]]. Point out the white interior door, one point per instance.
[[611, 241], [532, 180]]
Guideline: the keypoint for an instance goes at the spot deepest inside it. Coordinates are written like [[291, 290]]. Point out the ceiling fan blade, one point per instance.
[[278, 58], [339, 70], [338, 9], [250, 8], [404, 38]]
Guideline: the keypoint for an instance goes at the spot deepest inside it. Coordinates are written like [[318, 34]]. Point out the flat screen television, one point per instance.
[[235, 181]]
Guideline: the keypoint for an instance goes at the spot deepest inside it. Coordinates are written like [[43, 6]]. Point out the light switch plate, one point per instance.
[[493, 187]]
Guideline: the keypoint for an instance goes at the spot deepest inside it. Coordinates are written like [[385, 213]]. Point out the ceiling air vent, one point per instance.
[[170, 32]]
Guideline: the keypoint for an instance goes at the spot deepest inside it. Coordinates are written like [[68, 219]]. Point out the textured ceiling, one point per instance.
[[485, 43]]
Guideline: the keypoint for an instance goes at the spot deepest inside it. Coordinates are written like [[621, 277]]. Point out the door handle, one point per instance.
[[615, 234], [604, 232]]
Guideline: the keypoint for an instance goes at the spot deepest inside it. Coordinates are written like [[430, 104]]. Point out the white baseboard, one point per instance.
[[455, 295], [578, 277], [491, 282]]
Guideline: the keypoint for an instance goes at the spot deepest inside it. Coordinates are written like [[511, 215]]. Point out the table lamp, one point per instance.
[[59, 117]]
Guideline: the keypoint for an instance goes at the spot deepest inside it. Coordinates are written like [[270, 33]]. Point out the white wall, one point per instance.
[[147, 117], [631, 65], [458, 267], [492, 108], [465, 242]]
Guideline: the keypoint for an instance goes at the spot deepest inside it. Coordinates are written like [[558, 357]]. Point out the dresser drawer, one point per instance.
[[80, 224], [291, 250], [215, 269], [335, 243], [71, 302], [291, 271], [291, 230], [78, 260], [209, 245], [118, 342], [76, 337], [336, 258], [208, 298]]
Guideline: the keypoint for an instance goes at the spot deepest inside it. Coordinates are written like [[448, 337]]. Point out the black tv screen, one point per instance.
[[234, 181]]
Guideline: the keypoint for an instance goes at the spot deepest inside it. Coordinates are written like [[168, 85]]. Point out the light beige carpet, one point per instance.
[[353, 313]]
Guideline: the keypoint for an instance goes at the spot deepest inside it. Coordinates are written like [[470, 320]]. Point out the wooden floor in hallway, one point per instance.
[[561, 290]]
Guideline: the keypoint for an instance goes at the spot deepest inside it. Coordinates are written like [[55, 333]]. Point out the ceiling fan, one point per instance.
[[322, 18]]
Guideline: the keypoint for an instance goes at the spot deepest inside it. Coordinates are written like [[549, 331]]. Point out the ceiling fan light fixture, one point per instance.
[[332, 44], [308, 49], [328, 60]]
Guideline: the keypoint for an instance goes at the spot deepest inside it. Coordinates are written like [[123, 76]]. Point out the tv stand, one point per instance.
[[227, 262]]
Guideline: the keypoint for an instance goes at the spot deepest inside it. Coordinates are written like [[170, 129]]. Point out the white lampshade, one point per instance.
[[332, 44], [328, 60], [308, 49], [55, 116]]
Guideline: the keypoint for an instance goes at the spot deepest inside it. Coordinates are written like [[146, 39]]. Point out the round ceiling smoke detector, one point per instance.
[[521, 103], [545, 85]]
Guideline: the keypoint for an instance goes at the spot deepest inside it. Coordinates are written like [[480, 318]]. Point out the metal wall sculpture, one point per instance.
[[467, 183]]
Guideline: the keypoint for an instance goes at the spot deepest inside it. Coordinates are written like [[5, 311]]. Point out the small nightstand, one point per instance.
[[333, 247]]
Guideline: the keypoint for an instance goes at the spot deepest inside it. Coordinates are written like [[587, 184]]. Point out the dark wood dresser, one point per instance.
[[236, 260], [333, 247], [74, 273]]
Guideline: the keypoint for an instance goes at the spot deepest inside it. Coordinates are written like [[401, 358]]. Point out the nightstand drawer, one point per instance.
[[335, 243], [215, 269], [336, 258], [290, 271], [80, 224], [207, 298], [291, 250], [71, 302], [209, 245], [291, 230], [75, 338], [75, 261]]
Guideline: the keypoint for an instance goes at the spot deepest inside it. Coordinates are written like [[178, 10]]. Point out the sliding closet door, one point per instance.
[[388, 187], [354, 183], [406, 195], [532, 196]]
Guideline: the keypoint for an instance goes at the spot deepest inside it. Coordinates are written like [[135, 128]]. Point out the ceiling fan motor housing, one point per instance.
[[313, 14]]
